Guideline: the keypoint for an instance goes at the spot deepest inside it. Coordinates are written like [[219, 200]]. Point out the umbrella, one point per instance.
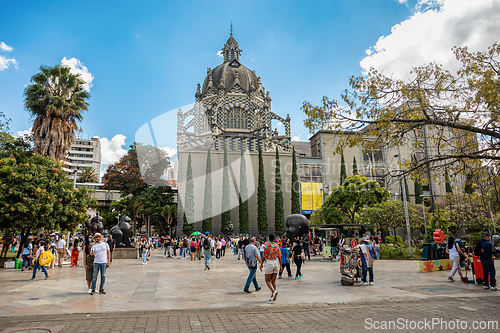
[[196, 233]]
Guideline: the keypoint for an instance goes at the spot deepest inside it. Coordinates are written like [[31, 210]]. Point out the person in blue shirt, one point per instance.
[[285, 259], [487, 262], [366, 253]]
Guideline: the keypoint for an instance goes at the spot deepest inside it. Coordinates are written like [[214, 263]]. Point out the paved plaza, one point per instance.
[[178, 295]]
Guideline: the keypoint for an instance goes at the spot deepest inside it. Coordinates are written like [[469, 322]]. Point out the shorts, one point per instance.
[[193, 249], [271, 266], [334, 250]]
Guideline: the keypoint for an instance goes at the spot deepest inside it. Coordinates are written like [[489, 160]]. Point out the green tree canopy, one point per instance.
[[347, 199], [391, 214]]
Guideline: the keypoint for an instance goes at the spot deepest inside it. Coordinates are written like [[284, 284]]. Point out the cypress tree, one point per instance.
[[279, 218], [261, 198], [189, 205], [187, 228], [354, 166], [207, 202], [447, 182], [343, 172], [243, 197], [418, 192], [226, 210], [295, 185], [469, 189]]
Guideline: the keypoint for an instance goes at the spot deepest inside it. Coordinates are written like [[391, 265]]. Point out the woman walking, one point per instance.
[[298, 255], [27, 254], [454, 252], [75, 252], [272, 260], [146, 246], [88, 263]]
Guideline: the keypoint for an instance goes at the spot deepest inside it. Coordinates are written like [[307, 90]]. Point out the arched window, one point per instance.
[[237, 118]]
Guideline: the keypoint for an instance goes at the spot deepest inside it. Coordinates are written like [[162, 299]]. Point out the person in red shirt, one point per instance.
[[272, 260]]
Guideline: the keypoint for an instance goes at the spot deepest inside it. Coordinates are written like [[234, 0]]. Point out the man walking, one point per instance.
[[252, 258], [112, 246], [207, 250], [487, 262], [366, 250], [61, 243], [102, 257]]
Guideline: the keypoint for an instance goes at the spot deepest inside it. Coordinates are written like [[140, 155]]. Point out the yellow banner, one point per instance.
[[311, 196]]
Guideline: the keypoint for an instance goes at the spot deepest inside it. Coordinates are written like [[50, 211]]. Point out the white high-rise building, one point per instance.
[[84, 153]]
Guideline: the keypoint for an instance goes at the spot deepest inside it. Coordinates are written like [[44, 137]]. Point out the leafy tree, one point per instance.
[[317, 217], [391, 214], [88, 175], [169, 213], [243, 197], [419, 191], [56, 99], [343, 172], [295, 185], [347, 199], [354, 166], [189, 200], [207, 204], [131, 174], [454, 111], [279, 218], [261, 198], [469, 189], [226, 205], [154, 201], [35, 193], [187, 227], [447, 182]]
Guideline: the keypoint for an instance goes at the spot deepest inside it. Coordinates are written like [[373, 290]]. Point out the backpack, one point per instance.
[[206, 244], [478, 250], [46, 258]]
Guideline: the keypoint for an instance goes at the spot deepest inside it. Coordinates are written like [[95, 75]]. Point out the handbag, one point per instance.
[[303, 256]]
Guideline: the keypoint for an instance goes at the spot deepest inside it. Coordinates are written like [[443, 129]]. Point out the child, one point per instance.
[[285, 260]]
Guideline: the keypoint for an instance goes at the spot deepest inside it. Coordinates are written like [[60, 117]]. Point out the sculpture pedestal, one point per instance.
[[125, 253]]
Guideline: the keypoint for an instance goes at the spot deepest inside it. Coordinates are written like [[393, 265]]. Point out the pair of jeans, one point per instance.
[[26, 260], [377, 251], [239, 253], [298, 263], [251, 278], [308, 254], [184, 252], [488, 269], [366, 269], [207, 254], [169, 248], [144, 256], [36, 267], [140, 253], [97, 268]]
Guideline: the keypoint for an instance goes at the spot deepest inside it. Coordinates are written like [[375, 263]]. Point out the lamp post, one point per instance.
[[74, 178], [403, 187]]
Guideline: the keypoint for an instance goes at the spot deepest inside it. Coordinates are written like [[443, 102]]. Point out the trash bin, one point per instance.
[[478, 269]]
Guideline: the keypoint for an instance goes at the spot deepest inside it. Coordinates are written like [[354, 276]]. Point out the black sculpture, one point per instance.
[[94, 224], [297, 225], [122, 231]]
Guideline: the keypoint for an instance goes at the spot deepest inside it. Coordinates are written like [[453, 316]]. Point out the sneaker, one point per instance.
[[450, 279], [279, 277], [59, 265], [205, 268], [247, 291], [102, 292], [486, 287], [371, 283], [271, 298], [494, 288], [258, 288], [296, 277], [275, 295], [47, 276], [92, 292], [208, 267], [363, 283], [22, 269], [301, 276], [31, 279], [89, 291]]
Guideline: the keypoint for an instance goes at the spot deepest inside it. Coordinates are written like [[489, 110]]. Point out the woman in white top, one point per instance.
[[454, 251]]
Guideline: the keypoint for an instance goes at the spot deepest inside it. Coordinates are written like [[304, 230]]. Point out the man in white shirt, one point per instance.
[[102, 256], [61, 243]]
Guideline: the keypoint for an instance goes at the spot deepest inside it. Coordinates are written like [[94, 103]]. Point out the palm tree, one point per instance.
[[88, 175], [55, 98]]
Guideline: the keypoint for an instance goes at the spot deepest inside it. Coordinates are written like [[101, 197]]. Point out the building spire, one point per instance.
[[231, 29], [231, 50]]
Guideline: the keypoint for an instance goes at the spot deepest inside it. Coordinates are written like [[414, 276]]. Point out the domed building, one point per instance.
[[232, 110], [231, 118]]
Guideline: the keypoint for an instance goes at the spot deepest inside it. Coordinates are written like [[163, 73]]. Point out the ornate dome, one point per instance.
[[231, 72]]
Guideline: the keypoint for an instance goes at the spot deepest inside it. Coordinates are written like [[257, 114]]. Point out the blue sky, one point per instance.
[[144, 58]]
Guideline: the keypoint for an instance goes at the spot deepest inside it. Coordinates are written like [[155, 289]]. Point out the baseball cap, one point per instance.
[[206, 233], [485, 234]]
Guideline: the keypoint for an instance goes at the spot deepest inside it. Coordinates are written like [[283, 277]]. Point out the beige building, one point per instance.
[[84, 153]]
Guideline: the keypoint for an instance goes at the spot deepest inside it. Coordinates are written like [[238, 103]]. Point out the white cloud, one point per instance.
[[5, 47], [6, 62], [77, 67], [23, 133], [402, 1], [171, 152], [219, 54], [296, 138], [431, 32], [112, 150]]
